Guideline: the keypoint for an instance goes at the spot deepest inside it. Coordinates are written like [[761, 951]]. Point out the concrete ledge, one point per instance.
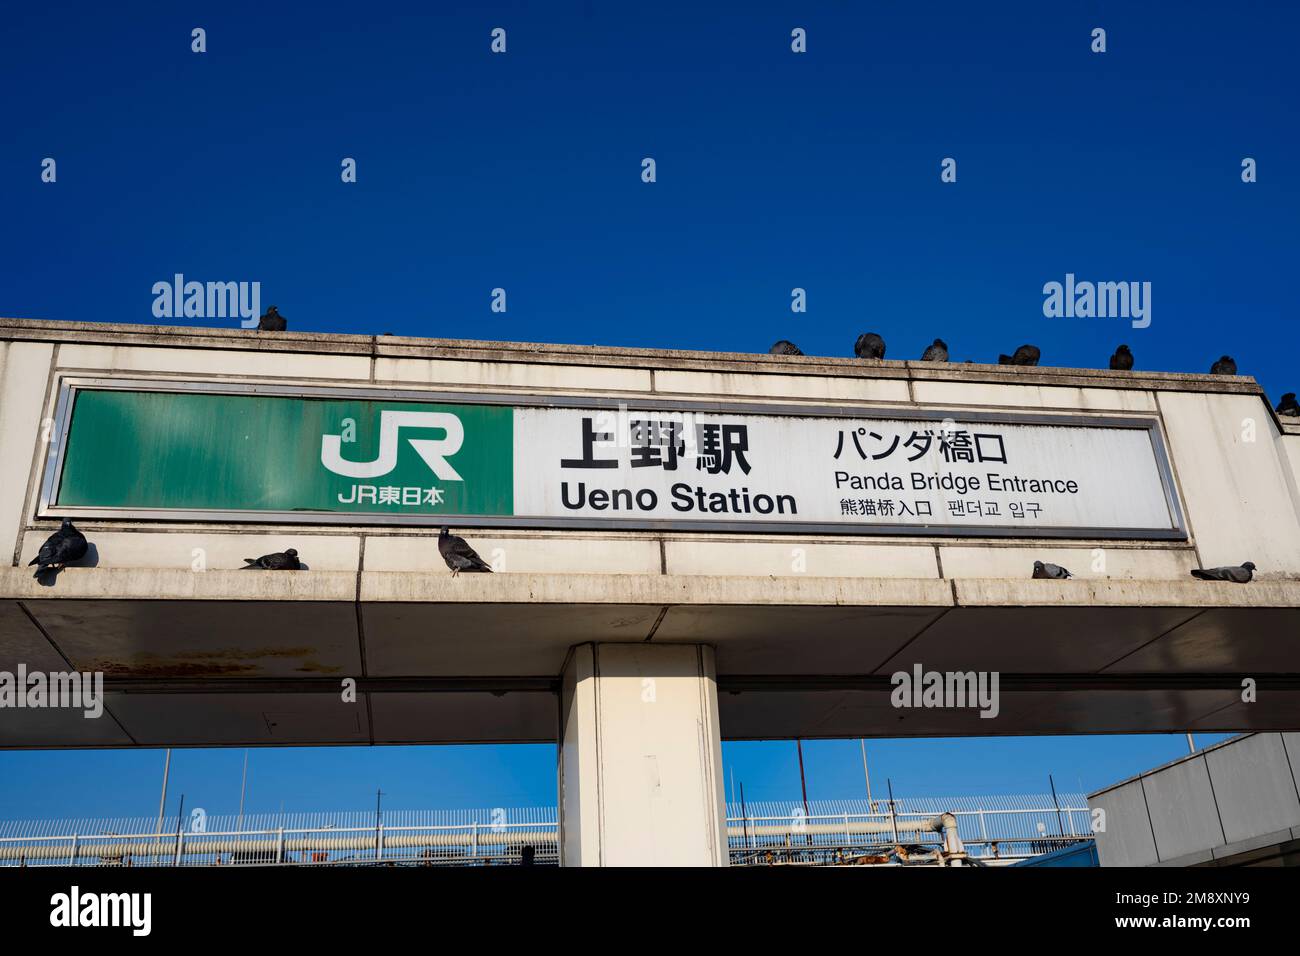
[[440, 587], [391, 346], [622, 589], [172, 584], [1216, 854], [999, 592]]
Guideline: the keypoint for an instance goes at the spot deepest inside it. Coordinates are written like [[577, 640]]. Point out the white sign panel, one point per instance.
[[843, 474]]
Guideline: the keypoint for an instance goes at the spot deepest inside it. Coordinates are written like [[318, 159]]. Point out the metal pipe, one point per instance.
[[243, 785], [163, 802], [803, 785], [892, 817], [871, 804]]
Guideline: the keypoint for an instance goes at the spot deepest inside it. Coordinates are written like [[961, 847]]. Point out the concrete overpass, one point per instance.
[[752, 586]]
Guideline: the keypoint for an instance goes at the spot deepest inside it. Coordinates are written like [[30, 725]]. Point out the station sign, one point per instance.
[[347, 456]]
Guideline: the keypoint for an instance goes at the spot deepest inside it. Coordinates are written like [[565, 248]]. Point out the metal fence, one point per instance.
[[994, 829], [1001, 829], [396, 837]]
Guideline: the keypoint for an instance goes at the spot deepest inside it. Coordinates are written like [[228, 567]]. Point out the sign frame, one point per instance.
[[68, 385]]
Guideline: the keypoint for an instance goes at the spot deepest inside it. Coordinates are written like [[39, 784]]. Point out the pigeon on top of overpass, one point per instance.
[[1288, 406], [1241, 575], [785, 347], [279, 561], [1025, 355], [459, 556], [60, 549], [1122, 360], [869, 345], [272, 321], [1044, 570], [935, 352], [1226, 365]]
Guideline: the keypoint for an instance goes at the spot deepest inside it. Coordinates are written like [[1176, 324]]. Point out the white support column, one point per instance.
[[640, 761]]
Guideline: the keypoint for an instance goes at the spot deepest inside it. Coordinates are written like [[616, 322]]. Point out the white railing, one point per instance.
[[992, 828], [998, 828]]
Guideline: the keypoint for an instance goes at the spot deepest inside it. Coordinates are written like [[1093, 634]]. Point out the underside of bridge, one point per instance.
[[227, 658]]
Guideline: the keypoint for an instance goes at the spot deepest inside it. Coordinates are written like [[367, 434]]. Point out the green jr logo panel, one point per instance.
[[184, 451]]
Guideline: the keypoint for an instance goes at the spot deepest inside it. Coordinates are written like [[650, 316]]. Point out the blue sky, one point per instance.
[[46, 784], [775, 171]]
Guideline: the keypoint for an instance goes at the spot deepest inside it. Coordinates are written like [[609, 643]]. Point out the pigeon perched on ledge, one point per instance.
[[459, 556], [1226, 365], [1044, 570], [784, 347], [1025, 355], [1241, 575], [935, 352], [1122, 360], [1288, 406], [279, 561], [272, 321], [60, 549], [869, 346]]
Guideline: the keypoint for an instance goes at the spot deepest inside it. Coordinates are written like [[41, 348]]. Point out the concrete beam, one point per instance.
[[403, 347], [164, 584]]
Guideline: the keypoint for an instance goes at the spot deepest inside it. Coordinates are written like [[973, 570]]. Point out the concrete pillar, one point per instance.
[[640, 760]]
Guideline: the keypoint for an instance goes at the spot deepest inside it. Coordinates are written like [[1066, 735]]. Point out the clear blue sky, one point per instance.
[[775, 170]]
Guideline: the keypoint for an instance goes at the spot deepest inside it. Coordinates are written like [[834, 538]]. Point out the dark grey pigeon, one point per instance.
[[273, 321], [935, 352], [1054, 571], [869, 345], [1025, 355], [459, 556], [785, 347], [1224, 366], [1122, 360], [1288, 406], [1241, 575], [279, 561], [60, 549]]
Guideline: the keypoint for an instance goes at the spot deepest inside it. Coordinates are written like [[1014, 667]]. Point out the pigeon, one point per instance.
[[785, 347], [273, 321], [1025, 355], [1054, 571], [936, 352], [1241, 575], [869, 345], [1288, 406], [459, 556], [1224, 366], [1122, 360], [279, 561], [60, 549]]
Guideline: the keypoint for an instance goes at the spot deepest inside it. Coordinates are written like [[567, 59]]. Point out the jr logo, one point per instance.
[[434, 451]]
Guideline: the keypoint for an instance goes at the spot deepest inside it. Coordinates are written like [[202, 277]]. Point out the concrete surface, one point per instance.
[[1234, 803], [804, 628]]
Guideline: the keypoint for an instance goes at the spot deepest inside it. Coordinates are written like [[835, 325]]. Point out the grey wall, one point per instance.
[[1235, 796]]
